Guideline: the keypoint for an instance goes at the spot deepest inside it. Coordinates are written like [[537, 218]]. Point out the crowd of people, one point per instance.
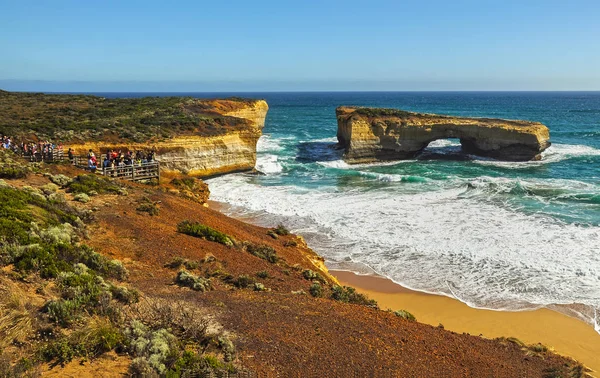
[[42, 150], [45, 150], [114, 159]]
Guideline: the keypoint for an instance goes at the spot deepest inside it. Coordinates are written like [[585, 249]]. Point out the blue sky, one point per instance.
[[303, 45]]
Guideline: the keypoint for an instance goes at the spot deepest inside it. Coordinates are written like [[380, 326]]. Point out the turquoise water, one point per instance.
[[492, 234]]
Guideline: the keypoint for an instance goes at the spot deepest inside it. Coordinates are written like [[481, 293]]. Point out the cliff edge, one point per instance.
[[370, 134], [200, 137]]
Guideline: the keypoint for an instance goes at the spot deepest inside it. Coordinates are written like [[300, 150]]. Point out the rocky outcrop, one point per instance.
[[205, 153], [369, 135]]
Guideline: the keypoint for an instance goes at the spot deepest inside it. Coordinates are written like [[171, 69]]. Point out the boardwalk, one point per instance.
[[134, 172]]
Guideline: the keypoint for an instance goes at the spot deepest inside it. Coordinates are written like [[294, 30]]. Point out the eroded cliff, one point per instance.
[[197, 136], [369, 135], [230, 148]]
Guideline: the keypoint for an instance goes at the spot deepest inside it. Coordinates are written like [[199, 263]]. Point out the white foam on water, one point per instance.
[[553, 154], [268, 164], [339, 164], [266, 143], [440, 143], [442, 241]]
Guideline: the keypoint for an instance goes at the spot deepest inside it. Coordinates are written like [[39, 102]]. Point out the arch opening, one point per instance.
[[444, 149]]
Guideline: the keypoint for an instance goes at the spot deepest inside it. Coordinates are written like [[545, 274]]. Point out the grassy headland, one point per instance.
[[76, 118]]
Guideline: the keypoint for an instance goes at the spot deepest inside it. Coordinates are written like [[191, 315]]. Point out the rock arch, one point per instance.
[[369, 135]]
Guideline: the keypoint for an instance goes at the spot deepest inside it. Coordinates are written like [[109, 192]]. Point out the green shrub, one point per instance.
[[154, 349], [59, 350], [201, 231], [272, 234], [316, 290], [61, 180], [281, 230], [49, 188], [227, 347], [63, 312], [243, 281], [309, 274], [93, 183], [264, 252], [262, 274], [290, 243], [125, 295], [312, 275], [194, 282], [147, 206], [176, 263], [405, 315], [349, 295], [13, 171], [99, 336], [259, 287], [81, 197]]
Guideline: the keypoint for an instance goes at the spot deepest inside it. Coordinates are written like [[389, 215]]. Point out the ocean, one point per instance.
[[497, 235]]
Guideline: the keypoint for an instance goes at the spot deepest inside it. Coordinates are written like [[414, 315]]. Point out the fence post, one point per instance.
[[132, 171]]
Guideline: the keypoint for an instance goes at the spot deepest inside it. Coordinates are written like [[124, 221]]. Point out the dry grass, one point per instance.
[[16, 321], [185, 322]]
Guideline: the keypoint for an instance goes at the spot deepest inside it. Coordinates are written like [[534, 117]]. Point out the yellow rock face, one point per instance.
[[234, 151], [370, 135]]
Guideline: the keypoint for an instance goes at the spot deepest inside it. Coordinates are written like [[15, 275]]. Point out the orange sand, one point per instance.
[[566, 335]]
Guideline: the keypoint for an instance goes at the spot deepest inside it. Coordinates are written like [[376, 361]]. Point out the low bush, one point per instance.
[[81, 197], [259, 287], [154, 350], [93, 183], [290, 243], [192, 281], [262, 274], [316, 290], [125, 295], [201, 231], [49, 188], [99, 335], [281, 230], [405, 315], [272, 234], [61, 180], [24, 368], [178, 262], [13, 171], [349, 295], [243, 281], [264, 252], [148, 207]]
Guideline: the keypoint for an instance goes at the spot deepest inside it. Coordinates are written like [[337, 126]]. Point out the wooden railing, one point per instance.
[[133, 172]]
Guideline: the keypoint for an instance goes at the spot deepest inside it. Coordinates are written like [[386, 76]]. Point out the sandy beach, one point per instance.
[[566, 335]]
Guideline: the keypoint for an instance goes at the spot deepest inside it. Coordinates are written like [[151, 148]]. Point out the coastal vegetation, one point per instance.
[[199, 230], [84, 280], [68, 118]]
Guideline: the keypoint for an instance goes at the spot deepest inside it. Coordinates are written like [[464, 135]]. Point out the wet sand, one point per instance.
[[566, 335]]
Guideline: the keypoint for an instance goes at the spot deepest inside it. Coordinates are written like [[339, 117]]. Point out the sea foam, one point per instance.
[[443, 241]]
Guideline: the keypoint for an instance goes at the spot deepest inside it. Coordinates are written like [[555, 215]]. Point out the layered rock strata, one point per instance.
[[370, 135], [232, 149]]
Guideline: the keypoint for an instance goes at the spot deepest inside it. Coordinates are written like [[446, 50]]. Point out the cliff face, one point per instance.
[[370, 135], [231, 149]]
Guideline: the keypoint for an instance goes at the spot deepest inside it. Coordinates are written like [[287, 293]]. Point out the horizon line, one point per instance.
[[325, 91]]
